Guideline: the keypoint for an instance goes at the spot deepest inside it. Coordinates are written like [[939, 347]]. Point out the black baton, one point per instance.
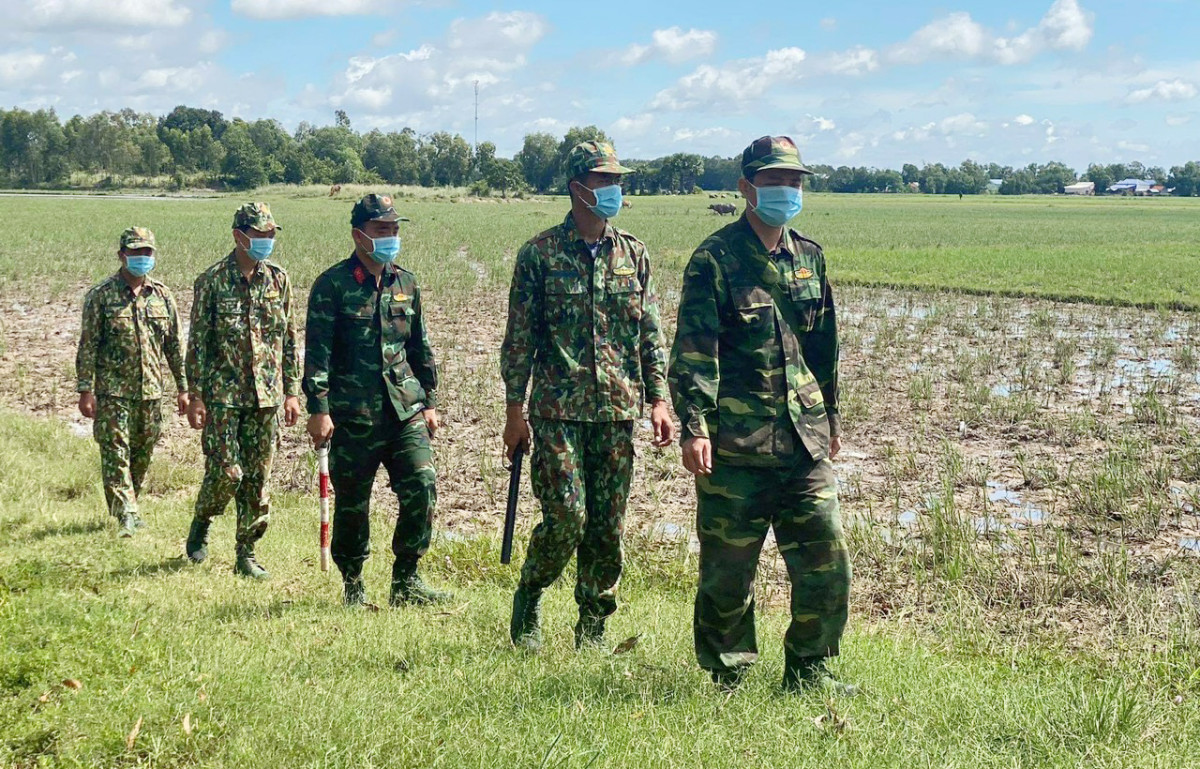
[[510, 515]]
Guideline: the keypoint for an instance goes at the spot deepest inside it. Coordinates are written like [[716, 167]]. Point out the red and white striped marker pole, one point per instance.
[[323, 481]]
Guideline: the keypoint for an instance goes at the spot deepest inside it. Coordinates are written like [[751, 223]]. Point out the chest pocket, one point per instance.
[[230, 320], [399, 315], [271, 313], [119, 324], [156, 314], [624, 293], [753, 315]]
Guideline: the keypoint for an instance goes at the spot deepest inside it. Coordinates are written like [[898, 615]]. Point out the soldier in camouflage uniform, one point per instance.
[[583, 324], [130, 327], [754, 375], [371, 382], [242, 367]]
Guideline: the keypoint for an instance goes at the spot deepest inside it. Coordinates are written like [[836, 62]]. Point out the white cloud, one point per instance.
[[829, 23], [734, 83], [822, 124], [431, 87], [692, 134], [673, 45], [1024, 120], [1164, 90], [1178, 120], [1066, 26], [856, 61], [963, 124], [1129, 146], [172, 79], [632, 125], [297, 9], [20, 66], [69, 14]]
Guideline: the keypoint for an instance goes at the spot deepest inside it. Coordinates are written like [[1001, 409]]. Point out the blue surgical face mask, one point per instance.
[[260, 248], [608, 201], [138, 266], [777, 205], [384, 250]]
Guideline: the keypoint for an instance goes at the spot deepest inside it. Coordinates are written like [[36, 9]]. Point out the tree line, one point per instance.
[[193, 146]]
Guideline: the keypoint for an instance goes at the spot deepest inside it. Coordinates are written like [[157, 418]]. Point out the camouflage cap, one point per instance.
[[599, 157], [374, 207], [137, 237], [771, 152], [256, 216]]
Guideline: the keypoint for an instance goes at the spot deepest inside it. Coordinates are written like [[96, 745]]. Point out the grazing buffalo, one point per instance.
[[724, 208], [334, 190], [626, 204]]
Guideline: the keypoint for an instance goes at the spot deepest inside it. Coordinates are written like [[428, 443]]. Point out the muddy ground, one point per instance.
[[1016, 423]]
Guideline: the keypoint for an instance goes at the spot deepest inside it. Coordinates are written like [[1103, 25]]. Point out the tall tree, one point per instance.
[[538, 159]]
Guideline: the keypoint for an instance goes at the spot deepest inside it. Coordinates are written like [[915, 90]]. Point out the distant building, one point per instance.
[[1135, 187], [1080, 188]]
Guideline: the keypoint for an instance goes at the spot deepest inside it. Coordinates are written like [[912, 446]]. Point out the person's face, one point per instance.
[[593, 181], [242, 239], [121, 253], [771, 177], [375, 228]]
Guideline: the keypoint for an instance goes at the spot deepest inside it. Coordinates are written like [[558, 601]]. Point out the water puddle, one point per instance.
[[1028, 514], [998, 492], [907, 518], [1190, 543], [987, 524]]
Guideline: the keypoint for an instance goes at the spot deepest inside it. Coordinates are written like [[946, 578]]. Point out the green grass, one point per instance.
[[1109, 250], [278, 674]]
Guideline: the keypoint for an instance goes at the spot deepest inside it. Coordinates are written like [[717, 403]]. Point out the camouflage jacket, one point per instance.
[[125, 339], [586, 329], [242, 350], [740, 373], [365, 344]]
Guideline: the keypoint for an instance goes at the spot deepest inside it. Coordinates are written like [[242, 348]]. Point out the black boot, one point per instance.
[[805, 673], [525, 628], [589, 631], [353, 586], [408, 587], [246, 565], [197, 541]]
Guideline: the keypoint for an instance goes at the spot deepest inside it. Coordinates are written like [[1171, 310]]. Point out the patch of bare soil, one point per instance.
[[1035, 456]]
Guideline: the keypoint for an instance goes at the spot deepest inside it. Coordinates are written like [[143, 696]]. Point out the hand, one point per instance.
[[291, 410], [697, 456], [181, 403], [431, 421], [664, 428], [516, 431], [320, 429], [197, 414], [835, 446], [87, 404]]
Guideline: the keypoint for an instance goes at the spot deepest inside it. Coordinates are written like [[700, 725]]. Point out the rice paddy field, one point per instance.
[[1020, 480]]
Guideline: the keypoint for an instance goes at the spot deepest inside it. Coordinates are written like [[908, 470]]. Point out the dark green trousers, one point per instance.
[[737, 505], [357, 451]]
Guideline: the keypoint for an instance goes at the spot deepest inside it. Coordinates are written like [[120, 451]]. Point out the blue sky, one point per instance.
[[854, 82]]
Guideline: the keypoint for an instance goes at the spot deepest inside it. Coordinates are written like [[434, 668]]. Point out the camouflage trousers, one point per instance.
[[404, 450], [127, 431], [239, 446], [736, 506], [581, 473]]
